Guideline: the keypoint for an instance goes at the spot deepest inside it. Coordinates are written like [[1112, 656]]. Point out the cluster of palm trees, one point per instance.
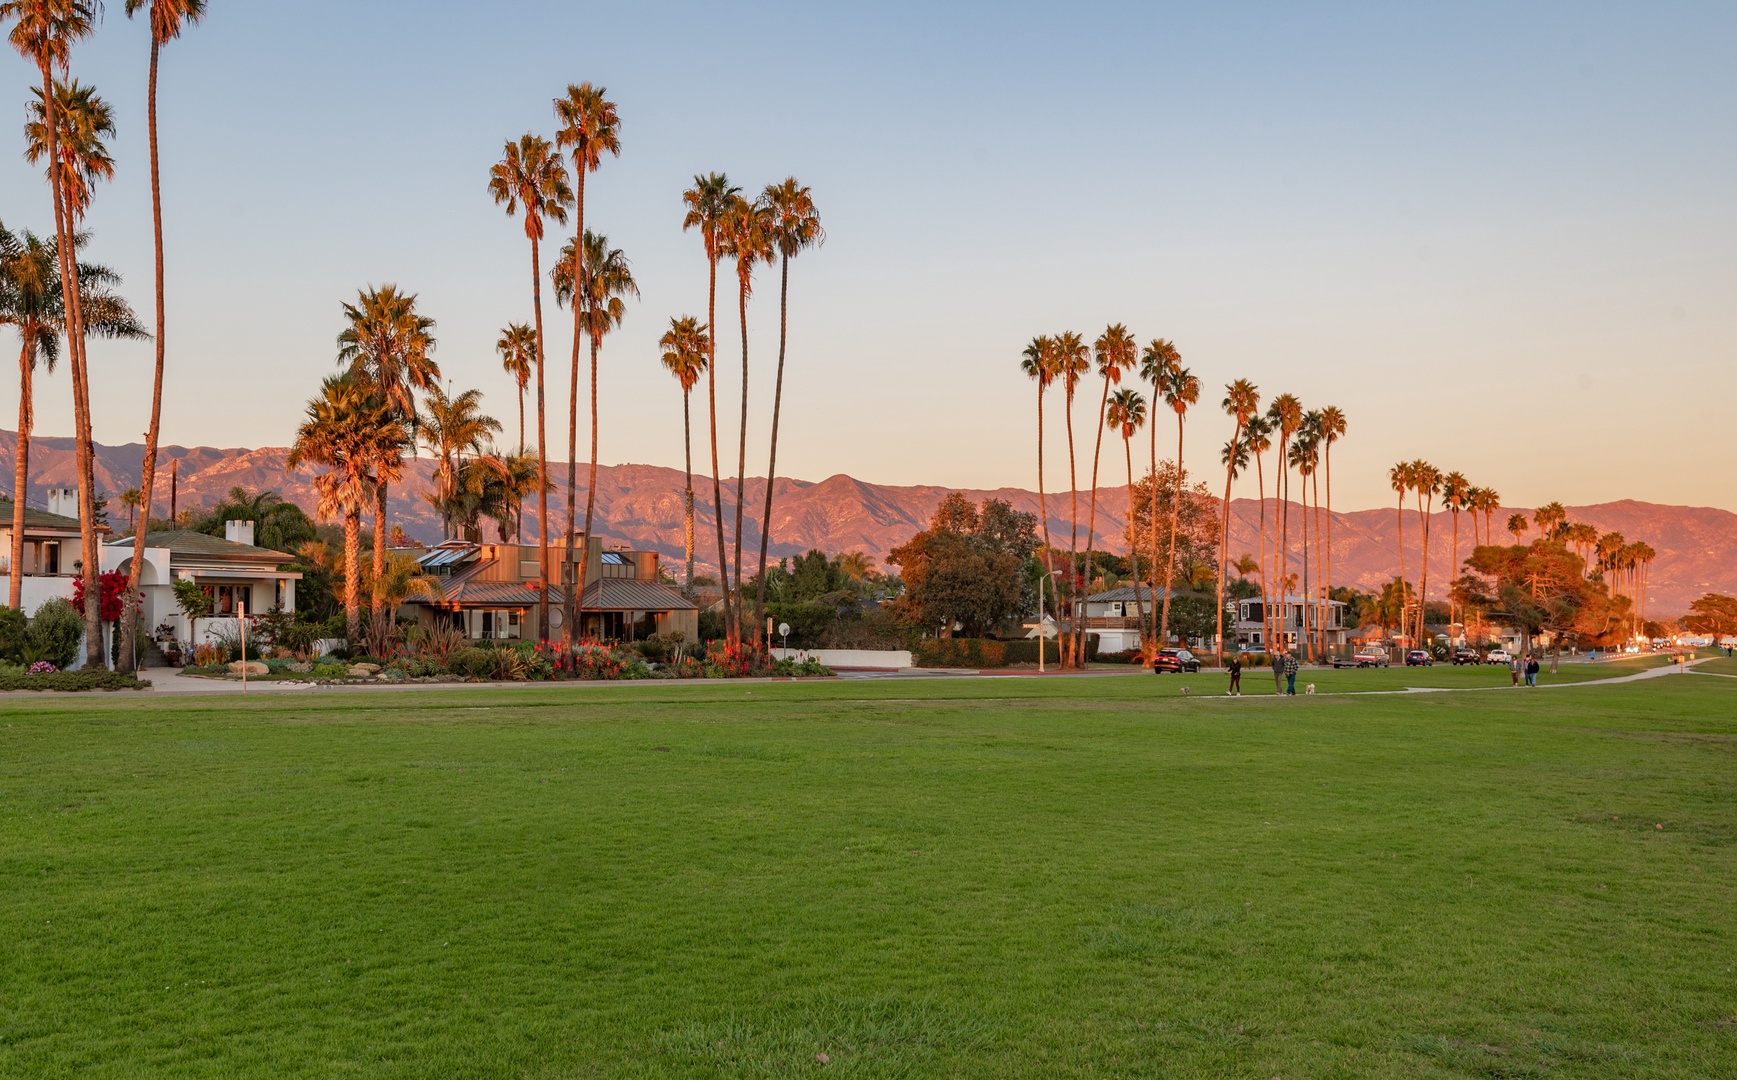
[[1424, 482], [1305, 441], [46, 291]]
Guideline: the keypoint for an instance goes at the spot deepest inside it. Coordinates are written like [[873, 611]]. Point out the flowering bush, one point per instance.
[[42, 667], [111, 586]]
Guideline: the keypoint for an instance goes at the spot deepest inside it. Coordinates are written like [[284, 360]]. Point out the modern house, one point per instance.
[[51, 549], [491, 591], [236, 576], [1113, 617], [1251, 622]]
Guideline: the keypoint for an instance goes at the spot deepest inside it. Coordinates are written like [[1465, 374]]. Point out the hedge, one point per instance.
[[74, 680], [986, 652]]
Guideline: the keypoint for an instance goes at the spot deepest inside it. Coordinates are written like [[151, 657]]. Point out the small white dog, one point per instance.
[[1310, 689], [1186, 691]]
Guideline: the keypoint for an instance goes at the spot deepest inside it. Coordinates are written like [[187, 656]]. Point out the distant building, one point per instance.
[[1251, 624], [51, 549], [236, 576]]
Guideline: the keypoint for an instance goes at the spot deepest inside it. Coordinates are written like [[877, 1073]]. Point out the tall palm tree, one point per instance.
[[1073, 360], [1473, 499], [1426, 482], [1454, 490], [607, 279], [450, 428], [386, 346], [1116, 352], [590, 127], [1127, 413], [167, 18], [1333, 427], [1159, 359], [1242, 400], [1489, 501], [68, 129], [746, 237], [685, 345], [1644, 556], [1400, 477], [707, 202], [1550, 518], [517, 347], [1181, 390], [530, 175], [349, 431], [1258, 434], [1038, 362], [1305, 456], [1286, 414], [793, 225]]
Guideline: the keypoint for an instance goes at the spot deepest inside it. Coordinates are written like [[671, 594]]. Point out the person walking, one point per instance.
[[1234, 666], [1514, 671], [1291, 674], [1531, 671]]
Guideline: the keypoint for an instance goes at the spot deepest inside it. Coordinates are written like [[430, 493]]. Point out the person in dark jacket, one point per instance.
[[1234, 666]]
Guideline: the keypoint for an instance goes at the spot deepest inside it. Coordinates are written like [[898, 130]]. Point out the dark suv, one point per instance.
[[1466, 656], [1419, 658], [1177, 660]]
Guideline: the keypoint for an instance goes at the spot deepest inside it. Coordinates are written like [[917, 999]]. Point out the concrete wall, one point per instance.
[[36, 591], [873, 659]]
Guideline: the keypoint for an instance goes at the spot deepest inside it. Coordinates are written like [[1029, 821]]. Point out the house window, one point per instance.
[[280, 594], [50, 561], [226, 598], [500, 625]]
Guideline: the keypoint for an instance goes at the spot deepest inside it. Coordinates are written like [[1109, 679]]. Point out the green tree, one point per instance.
[[1714, 615], [452, 428], [279, 525], [966, 568], [531, 177]]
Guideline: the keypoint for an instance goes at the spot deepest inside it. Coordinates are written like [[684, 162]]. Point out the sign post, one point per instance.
[[242, 609]]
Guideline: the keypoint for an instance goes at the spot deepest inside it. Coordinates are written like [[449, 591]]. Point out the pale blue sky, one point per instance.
[[1497, 235]]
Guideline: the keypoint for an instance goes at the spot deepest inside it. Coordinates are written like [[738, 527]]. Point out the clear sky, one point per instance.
[[1501, 237]]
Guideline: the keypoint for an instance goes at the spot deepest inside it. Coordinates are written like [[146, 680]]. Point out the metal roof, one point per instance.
[[631, 594], [447, 555], [1125, 594]]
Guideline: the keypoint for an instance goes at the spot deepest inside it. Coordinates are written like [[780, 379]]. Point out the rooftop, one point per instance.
[[188, 542], [37, 519]]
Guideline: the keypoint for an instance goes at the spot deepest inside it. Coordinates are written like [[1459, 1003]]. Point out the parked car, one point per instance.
[[1369, 656], [1176, 660], [1466, 656], [1419, 658], [1498, 656]]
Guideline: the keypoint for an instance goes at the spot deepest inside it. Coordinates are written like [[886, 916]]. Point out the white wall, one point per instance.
[[36, 591], [876, 659]]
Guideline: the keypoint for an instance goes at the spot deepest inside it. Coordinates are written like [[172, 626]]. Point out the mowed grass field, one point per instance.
[[976, 878]]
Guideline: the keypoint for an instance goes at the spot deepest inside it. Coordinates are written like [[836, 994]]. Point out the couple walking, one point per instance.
[[1523, 665]]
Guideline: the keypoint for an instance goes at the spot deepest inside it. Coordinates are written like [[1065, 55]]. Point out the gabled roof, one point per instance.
[[609, 594], [1125, 595], [204, 545], [37, 519]]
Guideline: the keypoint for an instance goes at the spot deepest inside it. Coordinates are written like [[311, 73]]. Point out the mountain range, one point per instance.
[[641, 505]]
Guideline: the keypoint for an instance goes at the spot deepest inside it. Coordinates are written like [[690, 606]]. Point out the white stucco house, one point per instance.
[[50, 558], [234, 573]]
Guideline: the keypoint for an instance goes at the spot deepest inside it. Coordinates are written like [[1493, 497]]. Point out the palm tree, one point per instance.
[[1550, 519], [132, 498], [1181, 390], [685, 345], [386, 346], [1286, 414], [707, 202], [452, 427], [1039, 363], [793, 226], [504, 480], [1242, 400], [1116, 352], [1400, 477], [1333, 428], [349, 431], [1644, 556], [1455, 489], [1234, 457], [745, 236], [1127, 413], [590, 127], [31, 302], [1306, 458], [1517, 526], [517, 347], [1073, 360], [530, 174], [1158, 360], [167, 17], [1426, 482], [607, 279], [68, 128], [1258, 435], [1489, 501]]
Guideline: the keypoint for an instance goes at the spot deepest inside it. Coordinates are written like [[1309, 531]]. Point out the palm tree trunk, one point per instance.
[[521, 417], [712, 406], [1224, 537], [772, 463], [353, 573], [688, 471], [1404, 610], [1266, 605], [1153, 639], [1092, 502], [542, 457], [130, 599], [1308, 642], [1456, 566], [742, 444], [1043, 512], [583, 568], [1321, 595], [1133, 537], [1175, 518], [1423, 574], [1284, 538], [1327, 578], [21, 481], [381, 617], [1074, 657]]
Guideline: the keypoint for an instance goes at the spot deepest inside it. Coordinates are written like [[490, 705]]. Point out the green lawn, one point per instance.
[[994, 878]]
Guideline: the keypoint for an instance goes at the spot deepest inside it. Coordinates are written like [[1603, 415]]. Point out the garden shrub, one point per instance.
[[72, 680], [653, 648], [13, 627], [473, 662], [960, 653], [54, 633], [1025, 652]]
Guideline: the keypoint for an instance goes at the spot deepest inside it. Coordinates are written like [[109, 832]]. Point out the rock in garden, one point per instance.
[[364, 669], [251, 667]]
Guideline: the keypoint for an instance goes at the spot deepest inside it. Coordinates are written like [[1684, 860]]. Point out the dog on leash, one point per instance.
[[1310, 689]]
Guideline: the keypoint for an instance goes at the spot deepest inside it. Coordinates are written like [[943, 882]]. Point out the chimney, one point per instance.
[[63, 501], [238, 532]]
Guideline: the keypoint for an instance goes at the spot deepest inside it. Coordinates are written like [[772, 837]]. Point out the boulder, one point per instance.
[[364, 669], [251, 667]]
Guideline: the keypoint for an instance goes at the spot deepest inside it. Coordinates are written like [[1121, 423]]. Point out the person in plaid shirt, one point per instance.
[[1291, 674]]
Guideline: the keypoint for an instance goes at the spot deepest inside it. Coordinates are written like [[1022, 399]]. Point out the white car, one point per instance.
[[1498, 656]]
